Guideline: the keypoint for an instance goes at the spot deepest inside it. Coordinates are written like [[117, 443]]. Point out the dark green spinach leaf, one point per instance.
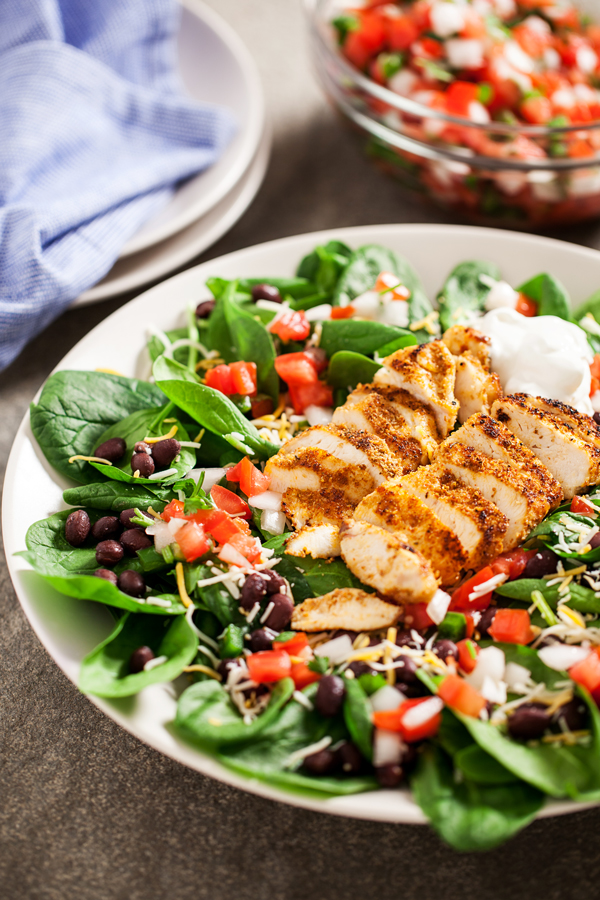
[[360, 336], [347, 369], [550, 295], [465, 292]]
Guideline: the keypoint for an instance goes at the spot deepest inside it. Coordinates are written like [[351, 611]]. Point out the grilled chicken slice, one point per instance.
[[477, 523], [348, 608], [318, 541], [574, 462], [393, 508], [373, 415], [583, 426], [495, 440], [461, 340], [398, 405], [520, 497], [387, 563], [355, 448], [475, 389], [427, 372]]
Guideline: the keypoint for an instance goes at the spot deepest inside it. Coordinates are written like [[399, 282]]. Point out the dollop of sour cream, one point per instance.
[[544, 356]]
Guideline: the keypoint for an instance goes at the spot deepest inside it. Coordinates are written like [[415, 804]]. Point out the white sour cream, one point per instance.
[[544, 356]]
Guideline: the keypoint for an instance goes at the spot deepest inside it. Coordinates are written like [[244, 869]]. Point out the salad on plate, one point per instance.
[[358, 530]]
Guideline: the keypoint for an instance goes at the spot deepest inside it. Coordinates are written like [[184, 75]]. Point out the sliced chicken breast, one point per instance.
[[461, 340], [350, 446], [318, 541], [475, 389], [428, 372], [393, 508], [387, 563], [574, 462], [478, 524], [519, 497], [374, 416], [583, 426], [348, 608]]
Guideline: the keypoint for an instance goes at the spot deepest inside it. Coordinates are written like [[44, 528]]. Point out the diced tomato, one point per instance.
[[595, 366], [532, 41], [192, 541], [461, 696], [470, 629], [296, 368], [248, 546], [294, 645], [512, 563], [303, 676], [537, 110], [391, 284], [342, 312], [232, 557], [233, 472], [244, 378], [230, 502], [173, 510], [221, 379], [415, 616], [583, 507], [268, 666], [225, 530], [401, 32], [526, 306], [262, 406], [209, 518], [460, 598], [317, 394], [474, 26], [291, 325], [512, 626], [459, 97], [317, 357], [252, 480], [395, 720], [587, 672], [468, 651], [430, 48]]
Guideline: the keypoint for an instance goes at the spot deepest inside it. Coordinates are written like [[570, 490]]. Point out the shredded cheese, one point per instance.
[[164, 437], [206, 670], [98, 459], [179, 574], [429, 323]]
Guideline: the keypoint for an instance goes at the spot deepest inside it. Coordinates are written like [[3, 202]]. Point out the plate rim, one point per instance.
[[200, 761]]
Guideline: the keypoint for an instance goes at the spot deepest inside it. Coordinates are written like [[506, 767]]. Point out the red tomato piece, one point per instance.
[[470, 629], [248, 546], [512, 626], [402, 32], [317, 394], [268, 666], [291, 325], [396, 720], [225, 530], [460, 598], [317, 357], [459, 97], [262, 407], [232, 557], [296, 368], [390, 283], [192, 541], [537, 110], [526, 306], [468, 651], [342, 312], [294, 645], [209, 518], [230, 502], [303, 676], [252, 480], [173, 510], [233, 473], [461, 696], [583, 507], [244, 378], [416, 616], [595, 366], [587, 672], [221, 379], [512, 563]]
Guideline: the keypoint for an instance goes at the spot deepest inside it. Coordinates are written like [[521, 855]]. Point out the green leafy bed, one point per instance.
[[476, 785]]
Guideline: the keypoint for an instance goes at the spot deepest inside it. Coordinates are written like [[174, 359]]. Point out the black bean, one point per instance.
[[445, 648], [281, 614], [361, 668], [132, 583], [595, 541], [549, 641], [485, 622], [113, 450], [77, 527], [389, 776], [543, 563], [225, 667], [406, 670], [261, 640], [321, 763], [412, 690], [330, 695], [142, 463], [340, 632], [596, 418], [106, 527], [205, 308], [107, 575], [126, 517], [266, 292], [573, 714], [405, 639], [139, 658], [528, 721], [350, 759], [142, 447], [409, 756], [135, 539], [109, 553], [275, 583], [253, 590], [164, 452]]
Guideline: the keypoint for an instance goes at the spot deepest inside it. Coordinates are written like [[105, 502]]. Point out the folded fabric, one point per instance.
[[96, 132]]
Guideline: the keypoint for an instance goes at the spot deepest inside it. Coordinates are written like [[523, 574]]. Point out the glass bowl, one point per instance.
[[517, 176]]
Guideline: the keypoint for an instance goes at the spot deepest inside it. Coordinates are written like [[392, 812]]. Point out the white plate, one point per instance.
[[156, 262], [215, 67], [70, 628]]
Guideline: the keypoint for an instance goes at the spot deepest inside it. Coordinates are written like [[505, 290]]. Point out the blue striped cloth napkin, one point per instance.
[[95, 132]]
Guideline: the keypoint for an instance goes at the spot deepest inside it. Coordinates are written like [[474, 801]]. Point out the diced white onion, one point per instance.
[[402, 83], [272, 522], [491, 663], [501, 295], [367, 305], [318, 415], [162, 535], [337, 651], [587, 60], [394, 313], [494, 691], [175, 524], [388, 748], [465, 53], [561, 657], [423, 712], [516, 675], [438, 606], [211, 477], [516, 57], [270, 305], [385, 698], [446, 18], [318, 313], [266, 500]]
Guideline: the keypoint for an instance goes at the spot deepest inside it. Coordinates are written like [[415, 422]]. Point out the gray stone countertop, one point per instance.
[[86, 810]]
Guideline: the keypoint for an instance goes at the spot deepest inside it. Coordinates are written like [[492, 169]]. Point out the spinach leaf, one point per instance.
[[252, 343], [156, 347], [105, 671], [582, 599], [209, 408], [550, 295], [117, 496], [76, 408], [360, 336], [88, 587], [294, 287], [347, 369], [357, 716], [135, 428], [464, 292], [592, 305], [325, 264], [311, 577], [214, 597], [49, 552], [467, 815], [479, 766], [206, 715]]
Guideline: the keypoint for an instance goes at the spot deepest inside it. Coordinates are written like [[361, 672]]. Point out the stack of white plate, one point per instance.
[[215, 67]]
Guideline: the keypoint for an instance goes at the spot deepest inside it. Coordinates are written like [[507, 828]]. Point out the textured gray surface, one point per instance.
[[87, 811]]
